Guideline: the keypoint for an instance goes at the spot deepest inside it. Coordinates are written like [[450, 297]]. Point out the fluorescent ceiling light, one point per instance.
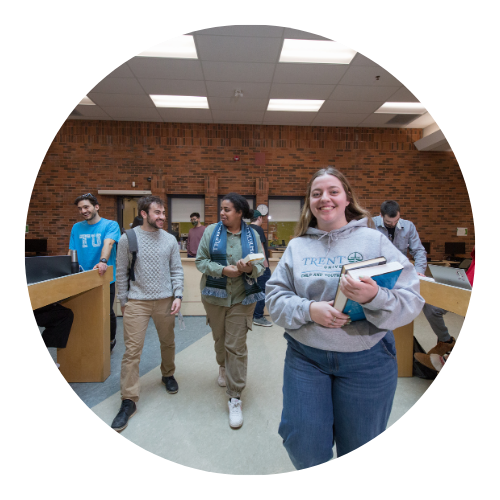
[[315, 51], [179, 101], [402, 108], [294, 105], [181, 47], [86, 102]]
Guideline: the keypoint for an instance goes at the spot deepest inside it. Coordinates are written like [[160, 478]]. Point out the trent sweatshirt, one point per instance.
[[310, 270]]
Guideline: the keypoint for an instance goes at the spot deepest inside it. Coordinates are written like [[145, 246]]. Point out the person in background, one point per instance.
[[340, 377], [156, 293], [138, 220], [194, 235], [403, 234], [229, 291], [437, 356], [258, 314], [57, 321], [95, 239]]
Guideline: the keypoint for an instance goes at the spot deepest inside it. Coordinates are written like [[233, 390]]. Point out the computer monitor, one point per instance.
[[47, 268], [35, 245], [454, 247]]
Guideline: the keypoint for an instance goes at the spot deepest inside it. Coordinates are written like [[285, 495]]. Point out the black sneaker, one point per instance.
[[127, 410], [171, 384], [112, 345]]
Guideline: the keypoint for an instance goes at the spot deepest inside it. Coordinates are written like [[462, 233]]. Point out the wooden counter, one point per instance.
[[447, 297], [86, 356]]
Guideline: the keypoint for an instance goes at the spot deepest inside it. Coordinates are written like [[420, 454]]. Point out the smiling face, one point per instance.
[[328, 201], [88, 211], [229, 216], [155, 218]]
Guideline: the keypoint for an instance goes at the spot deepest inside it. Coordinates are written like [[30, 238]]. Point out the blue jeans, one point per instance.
[[261, 281], [335, 397]]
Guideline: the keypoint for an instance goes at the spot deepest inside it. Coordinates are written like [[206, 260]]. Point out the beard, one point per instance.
[[155, 223]]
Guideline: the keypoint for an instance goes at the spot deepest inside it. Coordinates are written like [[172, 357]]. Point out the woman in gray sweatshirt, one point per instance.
[[339, 377]]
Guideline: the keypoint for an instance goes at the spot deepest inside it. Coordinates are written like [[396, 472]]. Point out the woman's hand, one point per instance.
[[363, 291], [244, 268], [325, 315], [231, 271]]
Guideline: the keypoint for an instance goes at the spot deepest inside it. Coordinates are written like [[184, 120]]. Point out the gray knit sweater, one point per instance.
[[158, 268]]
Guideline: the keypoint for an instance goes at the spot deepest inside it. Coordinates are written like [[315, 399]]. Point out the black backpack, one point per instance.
[[419, 370], [133, 248]]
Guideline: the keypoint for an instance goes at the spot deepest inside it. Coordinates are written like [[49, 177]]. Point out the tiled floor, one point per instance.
[[191, 427]]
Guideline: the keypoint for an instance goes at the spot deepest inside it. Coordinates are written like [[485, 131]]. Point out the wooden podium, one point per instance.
[[86, 356], [455, 300]]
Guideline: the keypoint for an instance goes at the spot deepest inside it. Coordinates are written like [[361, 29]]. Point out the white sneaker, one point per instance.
[[235, 414], [221, 379]]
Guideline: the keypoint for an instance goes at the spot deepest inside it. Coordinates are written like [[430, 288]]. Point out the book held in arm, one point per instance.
[[385, 274]]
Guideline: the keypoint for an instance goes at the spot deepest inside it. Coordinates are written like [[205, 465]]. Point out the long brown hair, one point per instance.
[[354, 211]]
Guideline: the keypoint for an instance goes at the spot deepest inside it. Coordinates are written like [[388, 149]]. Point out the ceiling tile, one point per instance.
[[91, 111], [118, 86], [376, 120], [259, 31], [161, 67], [136, 119], [301, 35], [362, 93], [328, 74], [366, 75], [403, 95], [361, 60], [173, 87], [250, 89], [238, 49], [233, 71], [122, 71], [300, 91], [243, 115], [122, 100]]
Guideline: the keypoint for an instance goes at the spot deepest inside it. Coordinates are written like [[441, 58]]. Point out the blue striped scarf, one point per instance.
[[216, 287]]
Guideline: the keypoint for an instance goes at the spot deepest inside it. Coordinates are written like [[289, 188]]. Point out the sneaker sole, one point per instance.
[[236, 426], [125, 426], [260, 324]]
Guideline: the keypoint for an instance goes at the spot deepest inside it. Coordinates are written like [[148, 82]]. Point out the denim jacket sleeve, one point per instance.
[[417, 250]]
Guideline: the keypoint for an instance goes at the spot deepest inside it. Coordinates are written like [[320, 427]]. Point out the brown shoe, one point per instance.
[[443, 347], [424, 359]]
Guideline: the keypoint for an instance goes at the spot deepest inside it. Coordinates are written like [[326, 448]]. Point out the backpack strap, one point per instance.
[[133, 248]]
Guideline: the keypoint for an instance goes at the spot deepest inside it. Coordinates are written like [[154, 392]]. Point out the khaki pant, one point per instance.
[[135, 322], [229, 329]]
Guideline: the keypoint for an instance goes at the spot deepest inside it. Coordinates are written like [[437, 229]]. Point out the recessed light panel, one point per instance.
[[294, 105], [181, 47], [402, 108], [179, 101], [315, 51]]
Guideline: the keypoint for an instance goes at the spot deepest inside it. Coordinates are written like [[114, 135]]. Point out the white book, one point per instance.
[[253, 256]]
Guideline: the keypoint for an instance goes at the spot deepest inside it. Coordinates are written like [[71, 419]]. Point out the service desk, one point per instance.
[[86, 356]]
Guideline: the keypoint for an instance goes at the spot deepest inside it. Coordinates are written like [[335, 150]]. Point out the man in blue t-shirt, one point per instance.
[[95, 239]]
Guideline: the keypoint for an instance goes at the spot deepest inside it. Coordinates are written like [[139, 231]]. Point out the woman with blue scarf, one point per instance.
[[229, 292]]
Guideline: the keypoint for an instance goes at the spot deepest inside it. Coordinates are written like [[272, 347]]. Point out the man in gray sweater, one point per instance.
[[156, 293]]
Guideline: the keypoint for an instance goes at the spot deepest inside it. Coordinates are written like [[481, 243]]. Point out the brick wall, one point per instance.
[[197, 159]]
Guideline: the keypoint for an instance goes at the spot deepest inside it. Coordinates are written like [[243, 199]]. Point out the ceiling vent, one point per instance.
[[402, 119]]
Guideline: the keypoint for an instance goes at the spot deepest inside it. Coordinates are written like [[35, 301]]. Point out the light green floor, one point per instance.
[[191, 427]]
